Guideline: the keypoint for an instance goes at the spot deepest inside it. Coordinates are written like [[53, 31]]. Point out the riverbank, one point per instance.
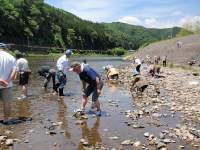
[[175, 96]]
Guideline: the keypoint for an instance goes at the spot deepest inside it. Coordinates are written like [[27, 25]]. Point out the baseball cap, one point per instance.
[[73, 65], [69, 52]]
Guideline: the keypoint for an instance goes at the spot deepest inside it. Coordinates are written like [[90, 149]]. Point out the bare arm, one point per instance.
[[98, 85], [107, 74], [12, 75], [3, 83], [83, 85]]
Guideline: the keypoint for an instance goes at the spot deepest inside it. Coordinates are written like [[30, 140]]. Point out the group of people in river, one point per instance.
[[10, 68], [91, 81]]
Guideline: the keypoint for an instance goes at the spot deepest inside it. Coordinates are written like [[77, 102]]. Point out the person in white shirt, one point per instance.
[[24, 72], [7, 74], [62, 69], [137, 69]]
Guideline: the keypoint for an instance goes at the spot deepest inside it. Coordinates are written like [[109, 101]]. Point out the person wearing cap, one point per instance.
[[7, 74], [92, 79], [62, 68], [23, 72]]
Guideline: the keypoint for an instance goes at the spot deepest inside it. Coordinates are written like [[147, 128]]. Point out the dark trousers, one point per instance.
[[164, 63], [61, 81], [138, 68], [48, 77]]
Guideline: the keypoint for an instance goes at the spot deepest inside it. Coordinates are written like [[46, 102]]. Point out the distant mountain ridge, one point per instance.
[[37, 23]]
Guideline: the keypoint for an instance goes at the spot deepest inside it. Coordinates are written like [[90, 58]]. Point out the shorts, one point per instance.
[[92, 89], [23, 78]]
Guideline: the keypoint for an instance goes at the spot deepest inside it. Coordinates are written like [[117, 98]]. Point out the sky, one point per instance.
[[147, 13]]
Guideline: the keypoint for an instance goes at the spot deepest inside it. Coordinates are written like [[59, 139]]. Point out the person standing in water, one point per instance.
[[90, 78], [62, 69], [23, 72], [7, 74]]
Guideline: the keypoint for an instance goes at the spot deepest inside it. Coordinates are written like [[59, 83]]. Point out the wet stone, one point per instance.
[[127, 142], [162, 136], [161, 145], [181, 147], [146, 134], [137, 143], [3, 138], [113, 137], [9, 142], [166, 141], [138, 126]]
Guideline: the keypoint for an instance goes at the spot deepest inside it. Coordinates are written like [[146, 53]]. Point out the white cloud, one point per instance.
[[147, 22], [151, 22], [154, 14], [154, 23], [191, 22], [130, 20]]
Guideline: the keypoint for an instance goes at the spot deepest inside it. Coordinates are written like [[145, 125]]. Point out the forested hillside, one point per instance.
[[35, 23]]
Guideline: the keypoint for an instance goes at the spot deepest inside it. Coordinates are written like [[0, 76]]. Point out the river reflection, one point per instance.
[[113, 85], [5, 105], [62, 109], [91, 135]]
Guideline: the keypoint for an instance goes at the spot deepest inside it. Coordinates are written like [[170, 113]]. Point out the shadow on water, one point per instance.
[[53, 127]]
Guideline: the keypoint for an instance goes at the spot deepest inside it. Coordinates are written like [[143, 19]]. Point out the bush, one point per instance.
[[53, 50], [116, 51]]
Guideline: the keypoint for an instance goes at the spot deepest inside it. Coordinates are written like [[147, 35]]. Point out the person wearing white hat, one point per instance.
[[62, 69]]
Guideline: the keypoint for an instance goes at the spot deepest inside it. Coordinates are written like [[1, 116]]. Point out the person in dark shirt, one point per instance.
[[48, 74], [91, 78]]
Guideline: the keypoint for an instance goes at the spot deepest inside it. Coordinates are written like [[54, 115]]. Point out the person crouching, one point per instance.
[[89, 77], [48, 73], [111, 73]]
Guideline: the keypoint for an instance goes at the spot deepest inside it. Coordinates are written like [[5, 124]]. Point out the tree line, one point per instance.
[[37, 23]]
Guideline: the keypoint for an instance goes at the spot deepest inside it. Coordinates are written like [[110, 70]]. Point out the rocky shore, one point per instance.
[[176, 95]]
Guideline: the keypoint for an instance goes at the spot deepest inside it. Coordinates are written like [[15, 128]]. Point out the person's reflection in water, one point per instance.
[[112, 86], [6, 103], [62, 117], [23, 108], [92, 135]]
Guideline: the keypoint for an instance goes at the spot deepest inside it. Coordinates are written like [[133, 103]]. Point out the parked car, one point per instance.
[[2, 45]]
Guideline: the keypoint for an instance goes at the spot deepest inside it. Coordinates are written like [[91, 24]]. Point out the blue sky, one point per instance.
[[148, 13]]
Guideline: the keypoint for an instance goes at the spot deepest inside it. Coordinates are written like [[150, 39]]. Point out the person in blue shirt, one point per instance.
[[91, 84]]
